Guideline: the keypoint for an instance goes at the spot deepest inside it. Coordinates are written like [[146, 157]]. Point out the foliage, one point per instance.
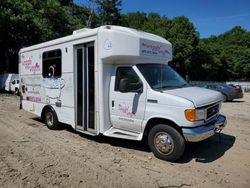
[[234, 59], [109, 11], [28, 22], [134, 19]]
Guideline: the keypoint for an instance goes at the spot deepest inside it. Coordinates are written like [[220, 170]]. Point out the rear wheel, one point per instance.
[[166, 142], [51, 119]]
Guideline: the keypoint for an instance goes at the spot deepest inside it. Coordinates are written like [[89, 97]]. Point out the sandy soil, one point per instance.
[[33, 156]]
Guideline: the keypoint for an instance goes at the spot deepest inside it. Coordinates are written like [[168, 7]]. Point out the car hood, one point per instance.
[[199, 96]]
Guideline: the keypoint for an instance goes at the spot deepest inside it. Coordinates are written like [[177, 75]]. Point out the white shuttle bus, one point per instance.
[[116, 81]]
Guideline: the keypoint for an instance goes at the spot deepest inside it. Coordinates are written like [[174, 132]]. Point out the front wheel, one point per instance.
[[16, 91], [166, 142]]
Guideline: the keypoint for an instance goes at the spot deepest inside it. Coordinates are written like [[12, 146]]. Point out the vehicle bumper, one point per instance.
[[203, 132], [235, 96]]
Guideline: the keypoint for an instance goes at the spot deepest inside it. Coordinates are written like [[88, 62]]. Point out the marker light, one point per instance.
[[193, 115], [190, 114]]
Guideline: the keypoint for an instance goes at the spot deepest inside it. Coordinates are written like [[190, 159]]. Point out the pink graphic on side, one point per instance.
[[155, 48], [29, 65], [125, 109], [34, 99], [35, 68]]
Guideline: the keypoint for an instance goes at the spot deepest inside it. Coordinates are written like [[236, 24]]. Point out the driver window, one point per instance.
[[125, 72], [14, 82]]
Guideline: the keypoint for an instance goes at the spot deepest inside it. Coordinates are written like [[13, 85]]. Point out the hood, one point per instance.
[[199, 96]]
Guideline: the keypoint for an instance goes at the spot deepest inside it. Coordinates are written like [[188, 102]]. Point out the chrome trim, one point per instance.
[[207, 119], [164, 143], [206, 107], [205, 131]]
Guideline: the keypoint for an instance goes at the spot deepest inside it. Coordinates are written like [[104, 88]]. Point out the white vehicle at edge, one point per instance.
[[11, 83], [116, 81]]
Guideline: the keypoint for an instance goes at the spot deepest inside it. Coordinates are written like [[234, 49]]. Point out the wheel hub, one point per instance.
[[49, 118], [164, 143]]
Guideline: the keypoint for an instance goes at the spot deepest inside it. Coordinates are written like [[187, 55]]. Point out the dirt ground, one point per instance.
[[33, 156]]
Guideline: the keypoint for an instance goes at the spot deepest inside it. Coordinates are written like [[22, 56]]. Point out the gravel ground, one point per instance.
[[33, 156]]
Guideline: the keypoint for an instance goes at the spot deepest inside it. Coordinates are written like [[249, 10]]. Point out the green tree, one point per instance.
[[184, 37], [134, 20], [109, 11], [27, 22], [234, 48], [209, 63], [66, 2]]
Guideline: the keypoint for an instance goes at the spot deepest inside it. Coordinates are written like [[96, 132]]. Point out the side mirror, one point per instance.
[[128, 85]]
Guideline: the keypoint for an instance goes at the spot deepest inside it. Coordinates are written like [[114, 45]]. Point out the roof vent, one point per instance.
[[81, 30], [108, 27]]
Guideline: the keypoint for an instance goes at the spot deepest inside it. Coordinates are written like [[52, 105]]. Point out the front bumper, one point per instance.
[[203, 132]]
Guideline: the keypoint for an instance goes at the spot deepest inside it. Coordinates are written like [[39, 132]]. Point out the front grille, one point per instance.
[[211, 111]]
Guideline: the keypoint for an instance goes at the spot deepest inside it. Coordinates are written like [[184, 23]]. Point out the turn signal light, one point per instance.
[[190, 114]]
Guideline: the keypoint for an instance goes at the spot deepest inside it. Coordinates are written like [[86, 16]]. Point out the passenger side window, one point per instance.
[[52, 64], [125, 72]]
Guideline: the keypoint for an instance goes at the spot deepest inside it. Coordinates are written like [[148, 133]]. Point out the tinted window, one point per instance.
[[52, 64], [125, 72], [91, 90]]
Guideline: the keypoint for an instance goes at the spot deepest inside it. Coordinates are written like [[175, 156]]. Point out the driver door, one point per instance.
[[126, 108], [12, 86]]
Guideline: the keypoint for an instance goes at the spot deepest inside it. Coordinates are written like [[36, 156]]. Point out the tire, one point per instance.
[[16, 91], [173, 140], [225, 98], [51, 119]]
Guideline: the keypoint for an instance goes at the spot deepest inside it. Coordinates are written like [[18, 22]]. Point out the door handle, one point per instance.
[[113, 104]]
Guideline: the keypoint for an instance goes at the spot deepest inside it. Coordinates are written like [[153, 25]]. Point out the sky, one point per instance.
[[210, 17]]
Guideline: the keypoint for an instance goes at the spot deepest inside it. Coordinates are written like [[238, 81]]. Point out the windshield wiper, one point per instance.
[[171, 87]]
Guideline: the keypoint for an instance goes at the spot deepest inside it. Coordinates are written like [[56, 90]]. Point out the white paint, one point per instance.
[[10, 82]]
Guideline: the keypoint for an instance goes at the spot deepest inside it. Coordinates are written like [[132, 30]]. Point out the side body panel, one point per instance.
[[38, 91]]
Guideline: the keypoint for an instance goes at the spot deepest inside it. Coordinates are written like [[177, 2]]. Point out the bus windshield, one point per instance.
[[161, 76]]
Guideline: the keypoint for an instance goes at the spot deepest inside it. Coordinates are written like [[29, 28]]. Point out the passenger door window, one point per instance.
[[125, 72]]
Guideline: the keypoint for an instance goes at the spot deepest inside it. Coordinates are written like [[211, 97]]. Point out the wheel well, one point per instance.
[[155, 121], [224, 94], [44, 109]]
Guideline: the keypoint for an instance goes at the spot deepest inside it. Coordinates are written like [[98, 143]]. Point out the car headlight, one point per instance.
[[194, 114]]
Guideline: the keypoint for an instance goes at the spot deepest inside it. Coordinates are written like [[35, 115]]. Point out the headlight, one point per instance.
[[201, 114], [194, 114]]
